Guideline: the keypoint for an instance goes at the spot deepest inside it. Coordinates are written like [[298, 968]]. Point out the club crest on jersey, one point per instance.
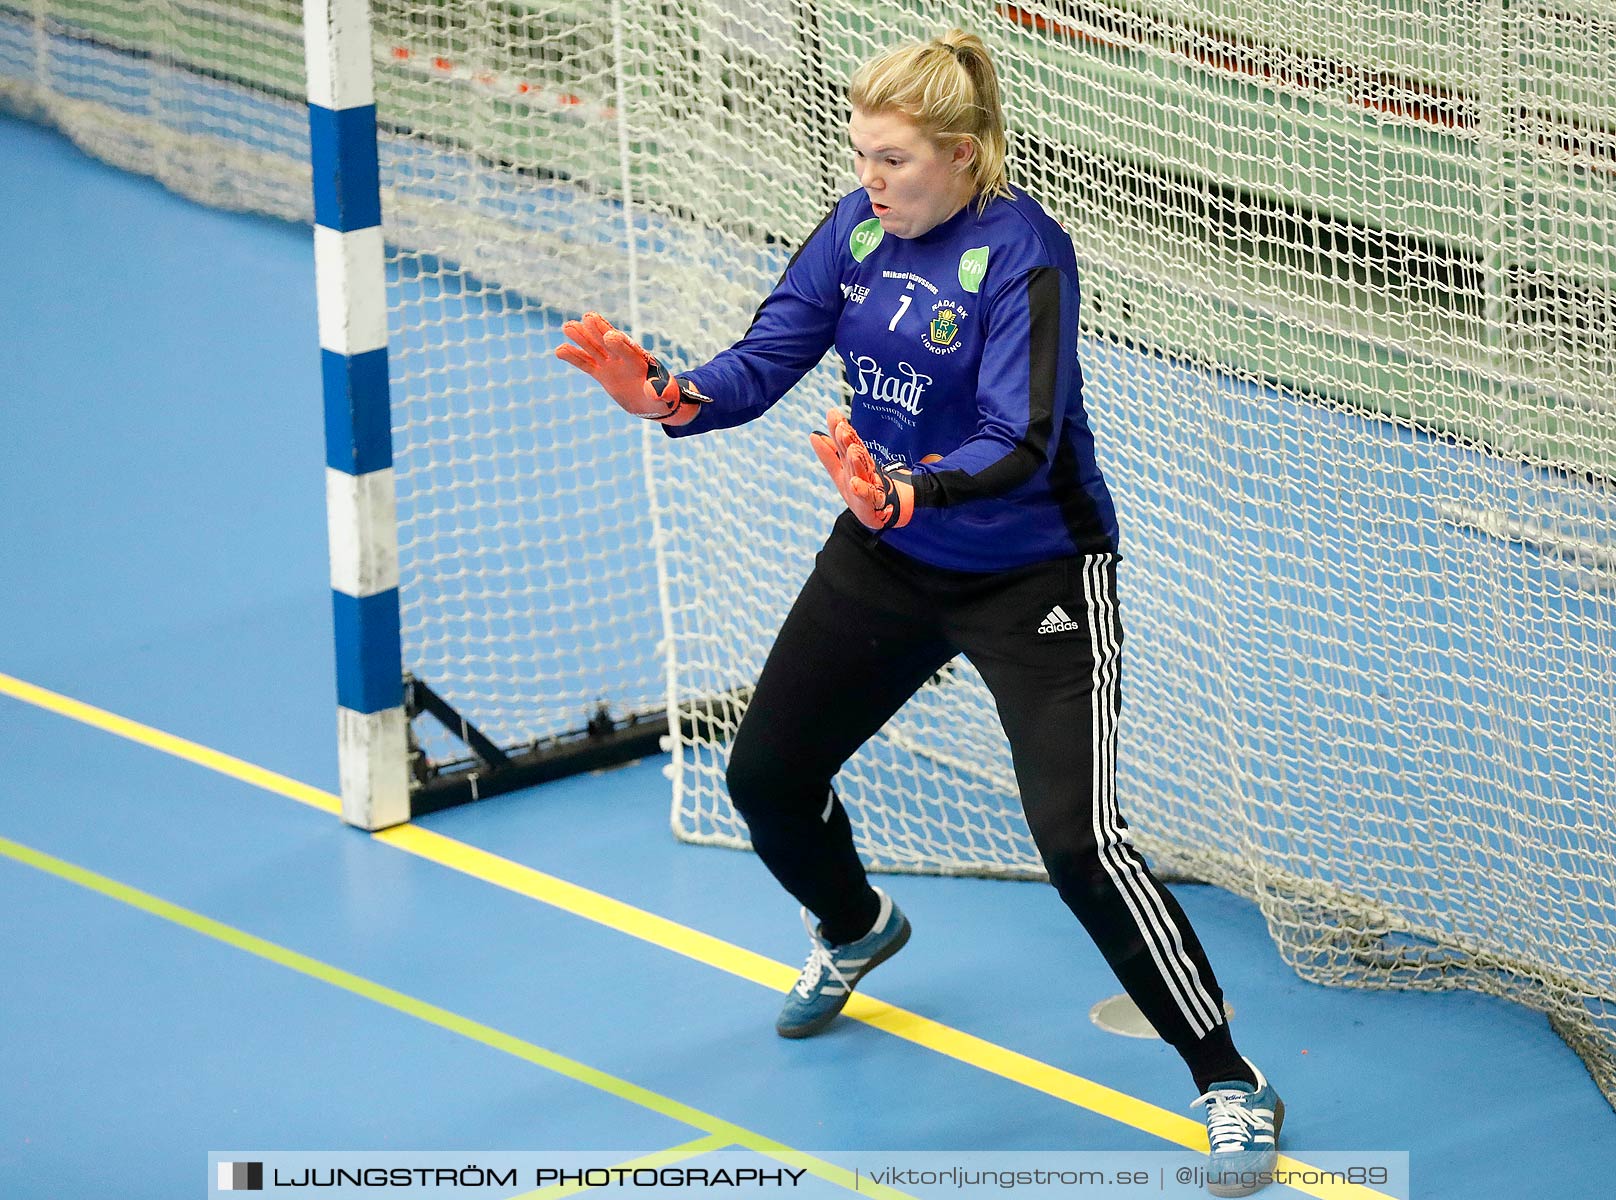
[[946, 317]]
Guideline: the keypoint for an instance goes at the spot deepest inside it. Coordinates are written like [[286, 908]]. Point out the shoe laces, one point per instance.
[[819, 962], [1230, 1118]]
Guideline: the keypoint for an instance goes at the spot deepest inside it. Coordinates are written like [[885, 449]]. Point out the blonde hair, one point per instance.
[[949, 89]]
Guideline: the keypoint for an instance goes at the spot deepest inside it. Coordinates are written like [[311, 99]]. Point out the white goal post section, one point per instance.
[[1348, 318]]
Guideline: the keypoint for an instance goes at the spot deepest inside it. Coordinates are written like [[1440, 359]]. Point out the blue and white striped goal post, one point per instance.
[[361, 506]]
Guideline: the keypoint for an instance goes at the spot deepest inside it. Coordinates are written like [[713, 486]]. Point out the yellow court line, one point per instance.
[[912, 1027], [725, 1132], [691, 943], [168, 743], [777, 977]]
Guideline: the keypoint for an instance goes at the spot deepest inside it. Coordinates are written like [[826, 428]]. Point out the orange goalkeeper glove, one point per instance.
[[635, 379], [879, 498]]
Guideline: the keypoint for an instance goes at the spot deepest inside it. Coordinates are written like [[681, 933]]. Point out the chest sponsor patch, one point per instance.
[[973, 265], [903, 389], [866, 236]]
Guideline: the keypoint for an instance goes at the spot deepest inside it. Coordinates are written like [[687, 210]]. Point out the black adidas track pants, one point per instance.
[[870, 627]]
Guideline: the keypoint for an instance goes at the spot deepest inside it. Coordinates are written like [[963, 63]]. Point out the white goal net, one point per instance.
[[1348, 330]]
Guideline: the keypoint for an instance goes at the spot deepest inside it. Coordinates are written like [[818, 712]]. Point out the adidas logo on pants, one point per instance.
[[1057, 622]]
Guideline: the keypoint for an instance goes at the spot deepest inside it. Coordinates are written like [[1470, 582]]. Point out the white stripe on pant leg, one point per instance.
[[1135, 873], [1161, 920], [1107, 834], [1178, 972], [1152, 891]]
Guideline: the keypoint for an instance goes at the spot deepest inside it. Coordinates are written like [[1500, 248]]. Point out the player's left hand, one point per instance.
[[879, 498]]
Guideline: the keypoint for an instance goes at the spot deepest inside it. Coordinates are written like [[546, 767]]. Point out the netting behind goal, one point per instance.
[[1348, 327]]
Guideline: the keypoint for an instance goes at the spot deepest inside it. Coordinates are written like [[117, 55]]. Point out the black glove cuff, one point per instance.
[[657, 376]]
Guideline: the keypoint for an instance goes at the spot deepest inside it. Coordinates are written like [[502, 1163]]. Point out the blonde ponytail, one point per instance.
[[949, 89]]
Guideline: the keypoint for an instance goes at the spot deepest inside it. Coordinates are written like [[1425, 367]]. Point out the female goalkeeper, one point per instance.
[[977, 523]]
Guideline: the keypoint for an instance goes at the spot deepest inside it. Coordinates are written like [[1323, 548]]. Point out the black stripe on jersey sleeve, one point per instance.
[[944, 489], [1078, 514]]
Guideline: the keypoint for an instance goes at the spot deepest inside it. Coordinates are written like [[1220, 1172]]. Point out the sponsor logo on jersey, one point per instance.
[[903, 389], [973, 265], [896, 462], [946, 316], [888, 460], [855, 292], [912, 279], [865, 238]]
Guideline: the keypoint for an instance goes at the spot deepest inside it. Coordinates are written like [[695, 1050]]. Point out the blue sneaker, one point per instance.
[[1242, 1125], [831, 973]]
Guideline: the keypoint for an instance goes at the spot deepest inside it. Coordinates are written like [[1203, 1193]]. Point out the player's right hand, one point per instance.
[[879, 498], [634, 378]]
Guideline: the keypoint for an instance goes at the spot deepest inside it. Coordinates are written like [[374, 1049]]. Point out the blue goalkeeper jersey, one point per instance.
[[961, 350]]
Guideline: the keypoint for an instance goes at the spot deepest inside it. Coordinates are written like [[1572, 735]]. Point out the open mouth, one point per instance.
[[881, 210]]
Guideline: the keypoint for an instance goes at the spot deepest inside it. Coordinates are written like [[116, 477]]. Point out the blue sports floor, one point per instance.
[[198, 956]]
